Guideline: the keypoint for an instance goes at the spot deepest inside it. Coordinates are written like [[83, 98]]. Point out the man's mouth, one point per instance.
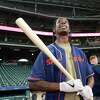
[[63, 27], [63, 30], [63, 33]]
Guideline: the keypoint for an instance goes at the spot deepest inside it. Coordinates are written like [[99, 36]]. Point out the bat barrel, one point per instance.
[[38, 42]]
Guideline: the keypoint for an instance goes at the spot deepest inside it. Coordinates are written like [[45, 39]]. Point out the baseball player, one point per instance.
[[46, 77]]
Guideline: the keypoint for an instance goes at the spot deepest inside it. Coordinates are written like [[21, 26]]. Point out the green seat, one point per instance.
[[14, 75]]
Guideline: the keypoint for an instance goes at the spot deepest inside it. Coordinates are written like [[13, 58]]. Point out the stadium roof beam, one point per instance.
[[54, 4], [16, 10]]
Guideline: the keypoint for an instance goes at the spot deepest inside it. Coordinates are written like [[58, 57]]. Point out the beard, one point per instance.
[[62, 31]]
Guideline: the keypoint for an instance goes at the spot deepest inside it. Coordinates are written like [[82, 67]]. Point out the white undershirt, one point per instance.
[[69, 60]]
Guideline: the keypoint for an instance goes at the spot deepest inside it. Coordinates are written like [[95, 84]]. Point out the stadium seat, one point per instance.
[[14, 75]]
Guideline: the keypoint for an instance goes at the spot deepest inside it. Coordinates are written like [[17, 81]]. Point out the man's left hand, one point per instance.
[[87, 93]]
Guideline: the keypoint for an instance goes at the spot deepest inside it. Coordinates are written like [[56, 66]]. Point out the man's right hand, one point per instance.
[[71, 86]]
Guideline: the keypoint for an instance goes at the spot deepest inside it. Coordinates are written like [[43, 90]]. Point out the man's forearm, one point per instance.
[[44, 86], [91, 81]]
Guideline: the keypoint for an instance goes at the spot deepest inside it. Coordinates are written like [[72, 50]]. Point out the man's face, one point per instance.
[[62, 26], [94, 61]]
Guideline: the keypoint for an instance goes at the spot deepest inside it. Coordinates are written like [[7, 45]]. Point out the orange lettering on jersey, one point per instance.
[[49, 61], [78, 59]]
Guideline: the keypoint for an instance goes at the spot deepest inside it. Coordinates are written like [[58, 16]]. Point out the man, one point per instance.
[[46, 77], [93, 60]]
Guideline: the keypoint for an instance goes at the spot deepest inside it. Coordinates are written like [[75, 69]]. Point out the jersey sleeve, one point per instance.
[[38, 72], [89, 69]]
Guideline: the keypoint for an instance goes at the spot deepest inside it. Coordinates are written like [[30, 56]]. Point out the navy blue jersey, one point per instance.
[[44, 69]]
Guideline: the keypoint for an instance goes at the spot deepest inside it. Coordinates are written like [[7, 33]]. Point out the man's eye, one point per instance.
[[66, 21]]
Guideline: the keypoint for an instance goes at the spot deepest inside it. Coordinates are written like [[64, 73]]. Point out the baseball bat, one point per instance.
[[38, 42]]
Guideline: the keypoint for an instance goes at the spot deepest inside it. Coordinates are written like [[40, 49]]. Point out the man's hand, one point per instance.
[[87, 93], [71, 86]]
